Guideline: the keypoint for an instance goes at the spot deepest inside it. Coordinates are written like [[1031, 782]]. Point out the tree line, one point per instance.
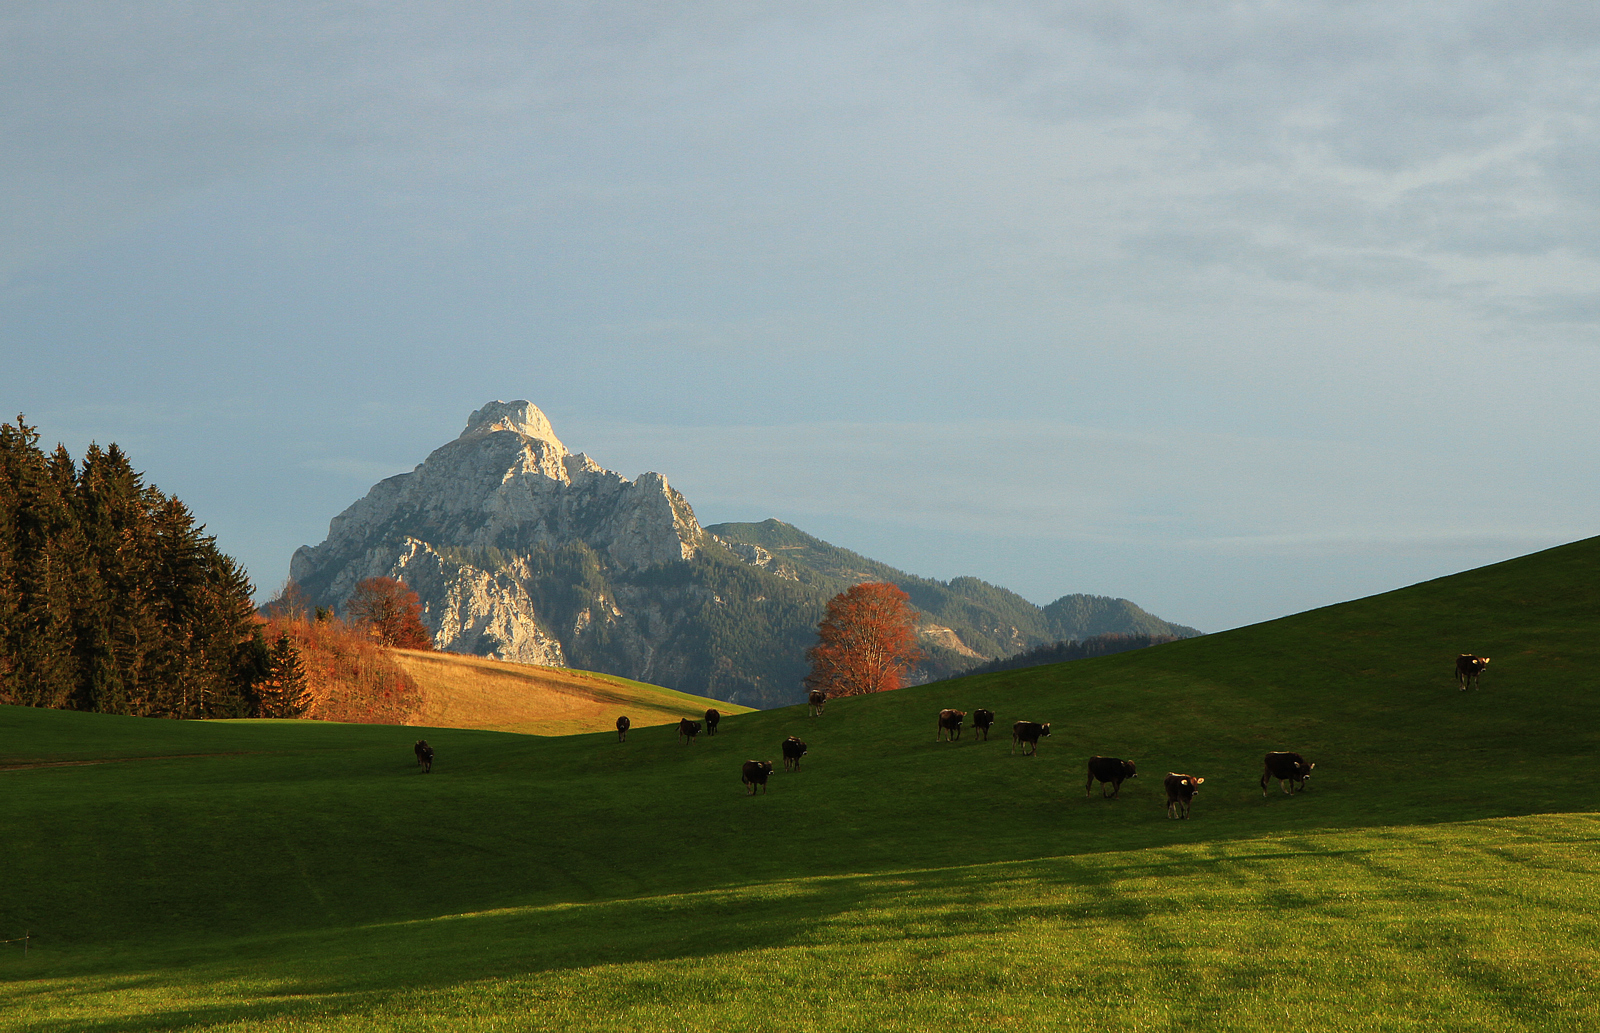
[[114, 599]]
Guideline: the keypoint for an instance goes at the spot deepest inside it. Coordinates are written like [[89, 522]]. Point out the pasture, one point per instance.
[[1438, 873], [459, 691]]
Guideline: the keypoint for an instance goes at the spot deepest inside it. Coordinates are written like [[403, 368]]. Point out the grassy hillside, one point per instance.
[[1439, 873], [460, 691]]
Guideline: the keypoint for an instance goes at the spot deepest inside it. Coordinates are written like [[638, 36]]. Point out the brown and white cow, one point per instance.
[[712, 717], [814, 701], [1113, 770], [793, 750], [421, 747], [688, 729], [982, 721], [1468, 667], [1180, 793], [424, 756], [623, 724], [1290, 769], [949, 725], [755, 774], [1027, 733]]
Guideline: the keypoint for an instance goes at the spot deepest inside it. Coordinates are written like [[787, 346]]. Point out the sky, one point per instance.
[[1234, 309]]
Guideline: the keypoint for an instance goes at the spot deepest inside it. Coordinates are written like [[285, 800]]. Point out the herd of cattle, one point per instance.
[[1289, 769]]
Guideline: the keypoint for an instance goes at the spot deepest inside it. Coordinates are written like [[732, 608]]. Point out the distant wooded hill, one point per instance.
[[966, 622]]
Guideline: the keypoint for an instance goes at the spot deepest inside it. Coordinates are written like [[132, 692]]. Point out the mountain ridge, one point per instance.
[[523, 550]]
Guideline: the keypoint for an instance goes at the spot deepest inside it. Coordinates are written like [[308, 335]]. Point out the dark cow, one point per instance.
[[981, 721], [793, 750], [1180, 793], [688, 729], [814, 702], [425, 756], [1027, 733], [755, 774], [623, 724], [1468, 667], [1290, 769], [419, 749], [712, 717], [1109, 769], [949, 725]]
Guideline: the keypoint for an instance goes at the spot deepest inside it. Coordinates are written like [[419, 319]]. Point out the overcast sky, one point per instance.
[[1233, 309]]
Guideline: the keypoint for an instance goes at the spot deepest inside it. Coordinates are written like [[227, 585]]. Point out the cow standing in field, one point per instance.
[[793, 750], [687, 730], [981, 722], [422, 744], [712, 717], [1468, 667], [949, 725], [814, 702], [1113, 770], [424, 756], [1027, 733], [1180, 793], [1290, 769], [623, 724], [755, 774]]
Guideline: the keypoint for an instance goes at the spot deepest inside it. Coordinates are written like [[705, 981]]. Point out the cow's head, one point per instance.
[[1044, 729], [1128, 770]]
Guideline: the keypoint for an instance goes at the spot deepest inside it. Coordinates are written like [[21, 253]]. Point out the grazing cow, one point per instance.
[[814, 702], [1180, 793], [755, 774], [1109, 769], [1468, 667], [623, 724], [1290, 769], [793, 750], [419, 749], [712, 717], [981, 720], [688, 729], [949, 724], [425, 756], [1027, 733]]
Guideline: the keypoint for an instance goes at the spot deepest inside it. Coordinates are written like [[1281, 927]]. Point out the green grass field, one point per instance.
[[1439, 873]]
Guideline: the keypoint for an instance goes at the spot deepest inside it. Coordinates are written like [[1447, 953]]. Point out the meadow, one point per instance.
[[1438, 873]]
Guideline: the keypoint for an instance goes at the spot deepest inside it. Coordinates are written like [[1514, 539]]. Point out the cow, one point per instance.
[[1109, 769], [949, 724], [793, 750], [1180, 793], [814, 702], [1468, 667], [1027, 733], [1290, 769], [623, 724], [419, 749], [981, 721], [687, 730], [755, 774], [712, 717], [425, 756]]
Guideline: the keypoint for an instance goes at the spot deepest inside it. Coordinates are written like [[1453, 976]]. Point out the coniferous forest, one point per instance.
[[114, 599]]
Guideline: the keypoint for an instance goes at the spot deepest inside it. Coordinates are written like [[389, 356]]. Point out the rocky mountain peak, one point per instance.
[[520, 417]]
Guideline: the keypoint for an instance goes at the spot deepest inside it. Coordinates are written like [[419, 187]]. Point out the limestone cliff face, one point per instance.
[[506, 487]]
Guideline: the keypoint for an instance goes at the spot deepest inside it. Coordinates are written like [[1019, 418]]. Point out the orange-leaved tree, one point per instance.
[[865, 643], [392, 610]]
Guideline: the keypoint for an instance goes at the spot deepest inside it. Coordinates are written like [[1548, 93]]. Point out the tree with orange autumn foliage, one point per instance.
[[391, 610], [865, 643]]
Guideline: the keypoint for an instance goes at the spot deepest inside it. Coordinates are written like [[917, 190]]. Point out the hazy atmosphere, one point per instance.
[[1232, 309]]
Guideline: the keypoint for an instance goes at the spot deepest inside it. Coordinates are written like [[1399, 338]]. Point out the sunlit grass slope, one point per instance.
[[475, 692], [1439, 873]]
